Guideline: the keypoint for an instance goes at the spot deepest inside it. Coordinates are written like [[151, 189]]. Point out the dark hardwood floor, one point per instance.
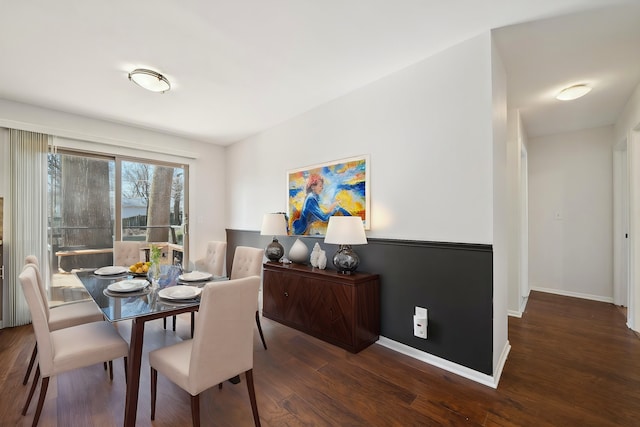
[[573, 362]]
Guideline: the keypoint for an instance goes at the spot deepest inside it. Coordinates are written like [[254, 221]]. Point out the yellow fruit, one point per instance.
[[139, 271], [145, 268], [132, 268]]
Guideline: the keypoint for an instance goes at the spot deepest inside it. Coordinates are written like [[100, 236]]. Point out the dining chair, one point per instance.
[[126, 253], [221, 348], [61, 315], [213, 263], [68, 348], [247, 262]]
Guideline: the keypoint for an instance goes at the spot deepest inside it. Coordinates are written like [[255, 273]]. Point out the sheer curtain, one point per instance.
[[27, 203]]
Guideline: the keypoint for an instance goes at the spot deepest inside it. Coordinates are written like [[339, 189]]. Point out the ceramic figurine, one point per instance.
[[314, 255], [322, 260]]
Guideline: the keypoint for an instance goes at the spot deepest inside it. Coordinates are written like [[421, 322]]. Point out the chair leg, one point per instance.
[[126, 374], [164, 322], [111, 370], [31, 362], [105, 366], [195, 410], [43, 393], [252, 397], [32, 390], [260, 329], [193, 321], [174, 323], [154, 386]]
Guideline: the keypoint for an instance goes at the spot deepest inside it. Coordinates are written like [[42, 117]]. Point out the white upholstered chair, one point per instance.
[[213, 261], [62, 315], [126, 252], [65, 349], [247, 262], [221, 348]]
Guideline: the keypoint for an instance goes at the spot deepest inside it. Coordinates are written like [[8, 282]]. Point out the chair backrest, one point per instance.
[[246, 262], [213, 261], [33, 260], [126, 253], [28, 280], [223, 339]]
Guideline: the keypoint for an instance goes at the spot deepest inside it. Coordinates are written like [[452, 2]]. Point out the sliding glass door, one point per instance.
[[96, 199]]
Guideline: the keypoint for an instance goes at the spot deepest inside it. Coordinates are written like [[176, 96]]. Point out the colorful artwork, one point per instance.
[[318, 192]]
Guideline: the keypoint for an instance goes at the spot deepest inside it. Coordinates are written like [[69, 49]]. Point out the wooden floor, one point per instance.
[[573, 362]]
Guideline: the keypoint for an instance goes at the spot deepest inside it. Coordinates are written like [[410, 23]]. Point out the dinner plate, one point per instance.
[[128, 285], [111, 270], [179, 292], [195, 276]]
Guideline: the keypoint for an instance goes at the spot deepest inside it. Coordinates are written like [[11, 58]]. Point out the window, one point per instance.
[[96, 199]]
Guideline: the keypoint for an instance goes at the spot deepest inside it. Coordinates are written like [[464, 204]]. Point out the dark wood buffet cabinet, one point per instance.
[[340, 309]]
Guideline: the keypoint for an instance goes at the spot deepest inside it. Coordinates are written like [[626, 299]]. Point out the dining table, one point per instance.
[[123, 296]]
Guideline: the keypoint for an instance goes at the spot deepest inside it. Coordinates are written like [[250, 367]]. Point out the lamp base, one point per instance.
[[346, 260], [274, 250]]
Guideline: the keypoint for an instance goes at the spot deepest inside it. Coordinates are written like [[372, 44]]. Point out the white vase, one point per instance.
[[298, 252]]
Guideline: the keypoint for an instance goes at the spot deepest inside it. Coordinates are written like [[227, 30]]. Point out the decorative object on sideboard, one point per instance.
[[313, 258], [345, 231], [322, 260], [274, 224], [298, 252]]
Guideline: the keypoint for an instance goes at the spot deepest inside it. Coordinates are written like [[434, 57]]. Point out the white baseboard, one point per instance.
[[463, 371], [523, 306], [573, 294]]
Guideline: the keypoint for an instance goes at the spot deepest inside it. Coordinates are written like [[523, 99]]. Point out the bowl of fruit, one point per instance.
[[140, 268]]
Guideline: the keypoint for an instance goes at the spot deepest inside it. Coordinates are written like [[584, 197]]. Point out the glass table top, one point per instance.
[[124, 296]]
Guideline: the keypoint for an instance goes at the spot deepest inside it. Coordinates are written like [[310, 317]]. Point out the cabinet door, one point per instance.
[[284, 298], [273, 301], [330, 310]]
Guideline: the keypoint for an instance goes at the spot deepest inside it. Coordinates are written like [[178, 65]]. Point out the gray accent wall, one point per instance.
[[453, 281]]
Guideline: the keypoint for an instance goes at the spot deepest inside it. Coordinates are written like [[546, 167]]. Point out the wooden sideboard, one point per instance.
[[340, 309]]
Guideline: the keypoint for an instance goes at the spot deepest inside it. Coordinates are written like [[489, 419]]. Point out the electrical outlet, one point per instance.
[[420, 323]]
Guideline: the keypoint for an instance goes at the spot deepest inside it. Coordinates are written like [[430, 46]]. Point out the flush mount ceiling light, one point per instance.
[[150, 80], [573, 92]]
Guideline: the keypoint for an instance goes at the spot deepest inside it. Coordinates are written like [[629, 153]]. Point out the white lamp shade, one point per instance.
[[345, 230], [274, 224]]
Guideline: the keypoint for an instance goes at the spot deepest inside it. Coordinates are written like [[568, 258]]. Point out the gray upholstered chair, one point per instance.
[[62, 315], [247, 262], [213, 261], [221, 348], [65, 349], [126, 253]]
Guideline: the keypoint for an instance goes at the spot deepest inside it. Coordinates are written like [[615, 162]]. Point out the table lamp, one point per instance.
[[345, 231], [274, 224]]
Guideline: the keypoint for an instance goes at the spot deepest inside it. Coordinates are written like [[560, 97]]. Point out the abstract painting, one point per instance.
[[317, 192]]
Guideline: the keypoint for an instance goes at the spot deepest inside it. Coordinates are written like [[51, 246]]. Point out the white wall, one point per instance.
[[207, 169], [571, 213], [501, 242], [627, 128], [428, 132], [516, 168]]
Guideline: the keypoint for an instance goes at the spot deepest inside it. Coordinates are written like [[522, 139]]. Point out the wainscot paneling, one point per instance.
[[453, 281]]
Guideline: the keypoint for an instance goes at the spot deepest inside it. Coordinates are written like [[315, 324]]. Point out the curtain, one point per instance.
[[27, 234]]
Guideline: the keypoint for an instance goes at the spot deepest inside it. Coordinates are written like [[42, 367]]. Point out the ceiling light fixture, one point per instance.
[[573, 92], [150, 80]]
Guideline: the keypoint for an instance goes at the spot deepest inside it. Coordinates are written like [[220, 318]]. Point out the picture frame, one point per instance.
[[316, 192]]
